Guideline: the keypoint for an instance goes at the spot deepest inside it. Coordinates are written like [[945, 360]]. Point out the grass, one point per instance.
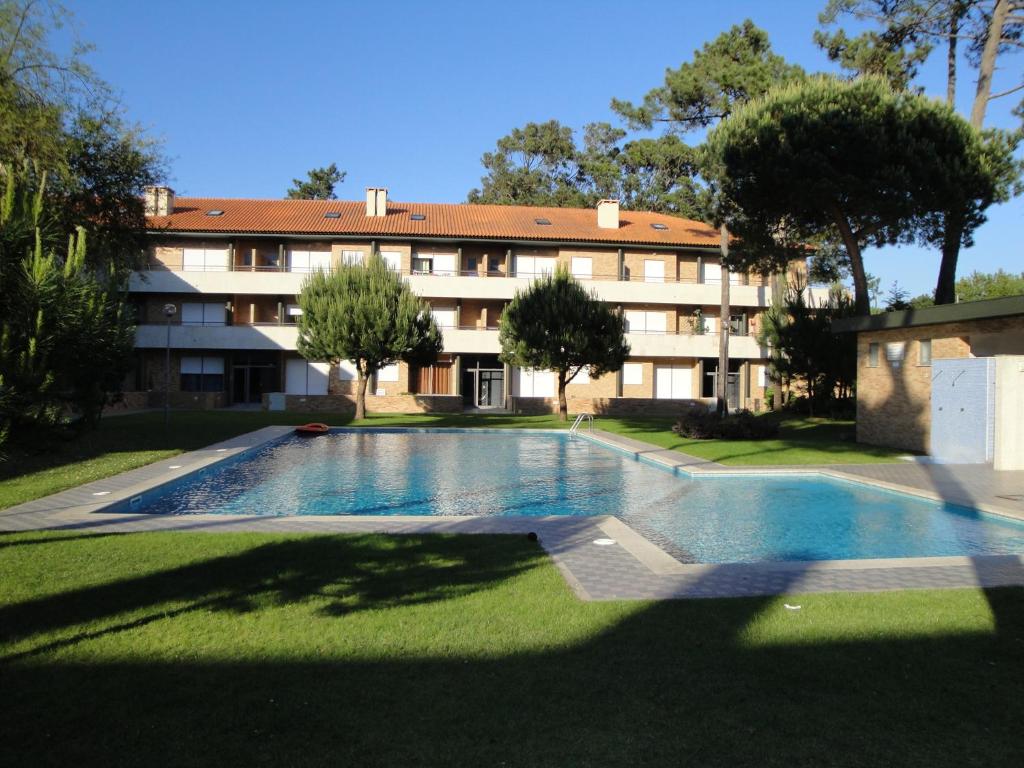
[[126, 442], [252, 649]]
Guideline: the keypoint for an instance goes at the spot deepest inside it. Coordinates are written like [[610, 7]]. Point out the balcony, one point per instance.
[[692, 345], [447, 285], [255, 337]]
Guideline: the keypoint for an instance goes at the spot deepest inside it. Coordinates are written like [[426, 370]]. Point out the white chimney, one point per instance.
[[376, 201], [608, 214], [159, 201]]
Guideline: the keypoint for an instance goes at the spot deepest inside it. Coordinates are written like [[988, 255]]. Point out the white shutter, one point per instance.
[[319, 375], [213, 365], [445, 318], [214, 314], [633, 373], [543, 384], [298, 261], [636, 321], [525, 266], [388, 373], [351, 257], [673, 382], [191, 365], [762, 376], [192, 314], [216, 259], [656, 322], [347, 371], [444, 264], [583, 377], [654, 271], [319, 260], [295, 377], [710, 325], [545, 265], [682, 379], [193, 259], [582, 267], [735, 278], [710, 273], [393, 259], [294, 310]]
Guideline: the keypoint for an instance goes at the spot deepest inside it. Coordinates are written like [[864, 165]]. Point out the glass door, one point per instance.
[[491, 389]]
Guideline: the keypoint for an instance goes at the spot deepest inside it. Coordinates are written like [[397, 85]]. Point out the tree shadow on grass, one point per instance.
[[670, 683]]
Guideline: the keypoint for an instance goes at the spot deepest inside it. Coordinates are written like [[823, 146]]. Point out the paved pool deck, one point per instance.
[[630, 568]]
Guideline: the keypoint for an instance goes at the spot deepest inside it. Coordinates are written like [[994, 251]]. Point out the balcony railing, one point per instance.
[[606, 276]]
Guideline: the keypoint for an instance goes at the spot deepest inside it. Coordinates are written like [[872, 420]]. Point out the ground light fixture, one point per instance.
[[169, 311]]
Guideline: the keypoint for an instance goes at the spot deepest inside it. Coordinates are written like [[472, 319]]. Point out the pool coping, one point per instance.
[[631, 568]]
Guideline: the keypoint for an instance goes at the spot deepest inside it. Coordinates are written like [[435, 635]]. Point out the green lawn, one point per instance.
[[126, 442], [192, 649]]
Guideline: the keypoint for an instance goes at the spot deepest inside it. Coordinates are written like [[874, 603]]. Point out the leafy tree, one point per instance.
[[825, 158], [992, 285], [59, 115], [366, 314], [65, 335], [804, 348], [922, 301], [538, 164], [319, 184], [557, 325], [909, 30]]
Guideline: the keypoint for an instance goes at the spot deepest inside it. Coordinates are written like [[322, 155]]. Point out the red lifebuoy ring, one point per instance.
[[313, 428]]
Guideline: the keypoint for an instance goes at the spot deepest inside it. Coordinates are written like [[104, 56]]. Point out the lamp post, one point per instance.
[[169, 312]]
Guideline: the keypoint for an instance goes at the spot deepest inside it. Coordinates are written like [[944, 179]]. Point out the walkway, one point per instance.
[[631, 567]]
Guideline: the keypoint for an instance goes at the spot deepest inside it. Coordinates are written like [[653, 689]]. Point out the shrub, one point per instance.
[[700, 423]]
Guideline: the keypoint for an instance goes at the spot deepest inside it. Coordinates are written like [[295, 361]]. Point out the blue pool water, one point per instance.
[[709, 520]]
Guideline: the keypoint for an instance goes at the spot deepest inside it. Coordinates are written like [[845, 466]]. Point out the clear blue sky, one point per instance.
[[409, 95]]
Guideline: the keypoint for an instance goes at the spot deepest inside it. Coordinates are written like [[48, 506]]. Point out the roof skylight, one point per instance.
[[659, 225], [215, 212], [543, 222], [418, 216], [332, 215]]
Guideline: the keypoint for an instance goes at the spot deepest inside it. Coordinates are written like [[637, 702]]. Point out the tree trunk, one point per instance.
[[563, 406], [361, 393], [722, 382], [954, 30], [945, 288], [861, 299], [988, 62]]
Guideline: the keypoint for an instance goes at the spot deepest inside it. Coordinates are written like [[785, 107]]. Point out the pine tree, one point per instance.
[[557, 325], [366, 314]]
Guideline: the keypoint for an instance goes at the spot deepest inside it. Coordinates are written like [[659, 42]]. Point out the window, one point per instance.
[[738, 325], [762, 375], [332, 215], [418, 216], [633, 373], [924, 352], [351, 257], [659, 225], [710, 273], [873, 355], [433, 264], [582, 267], [301, 260], [292, 312], [202, 374], [211, 313], [388, 373], [638, 321], [347, 371], [204, 259], [536, 383]]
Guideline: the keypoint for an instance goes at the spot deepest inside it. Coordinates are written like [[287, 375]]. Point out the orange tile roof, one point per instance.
[[443, 220]]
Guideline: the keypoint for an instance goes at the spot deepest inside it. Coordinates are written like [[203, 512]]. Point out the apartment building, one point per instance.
[[220, 286]]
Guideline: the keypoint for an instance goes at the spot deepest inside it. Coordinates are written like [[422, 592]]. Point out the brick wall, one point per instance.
[[600, 406], [374, 404], [894, 403]]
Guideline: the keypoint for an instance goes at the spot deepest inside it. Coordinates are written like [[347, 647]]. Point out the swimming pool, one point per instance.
[[503, 472]]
